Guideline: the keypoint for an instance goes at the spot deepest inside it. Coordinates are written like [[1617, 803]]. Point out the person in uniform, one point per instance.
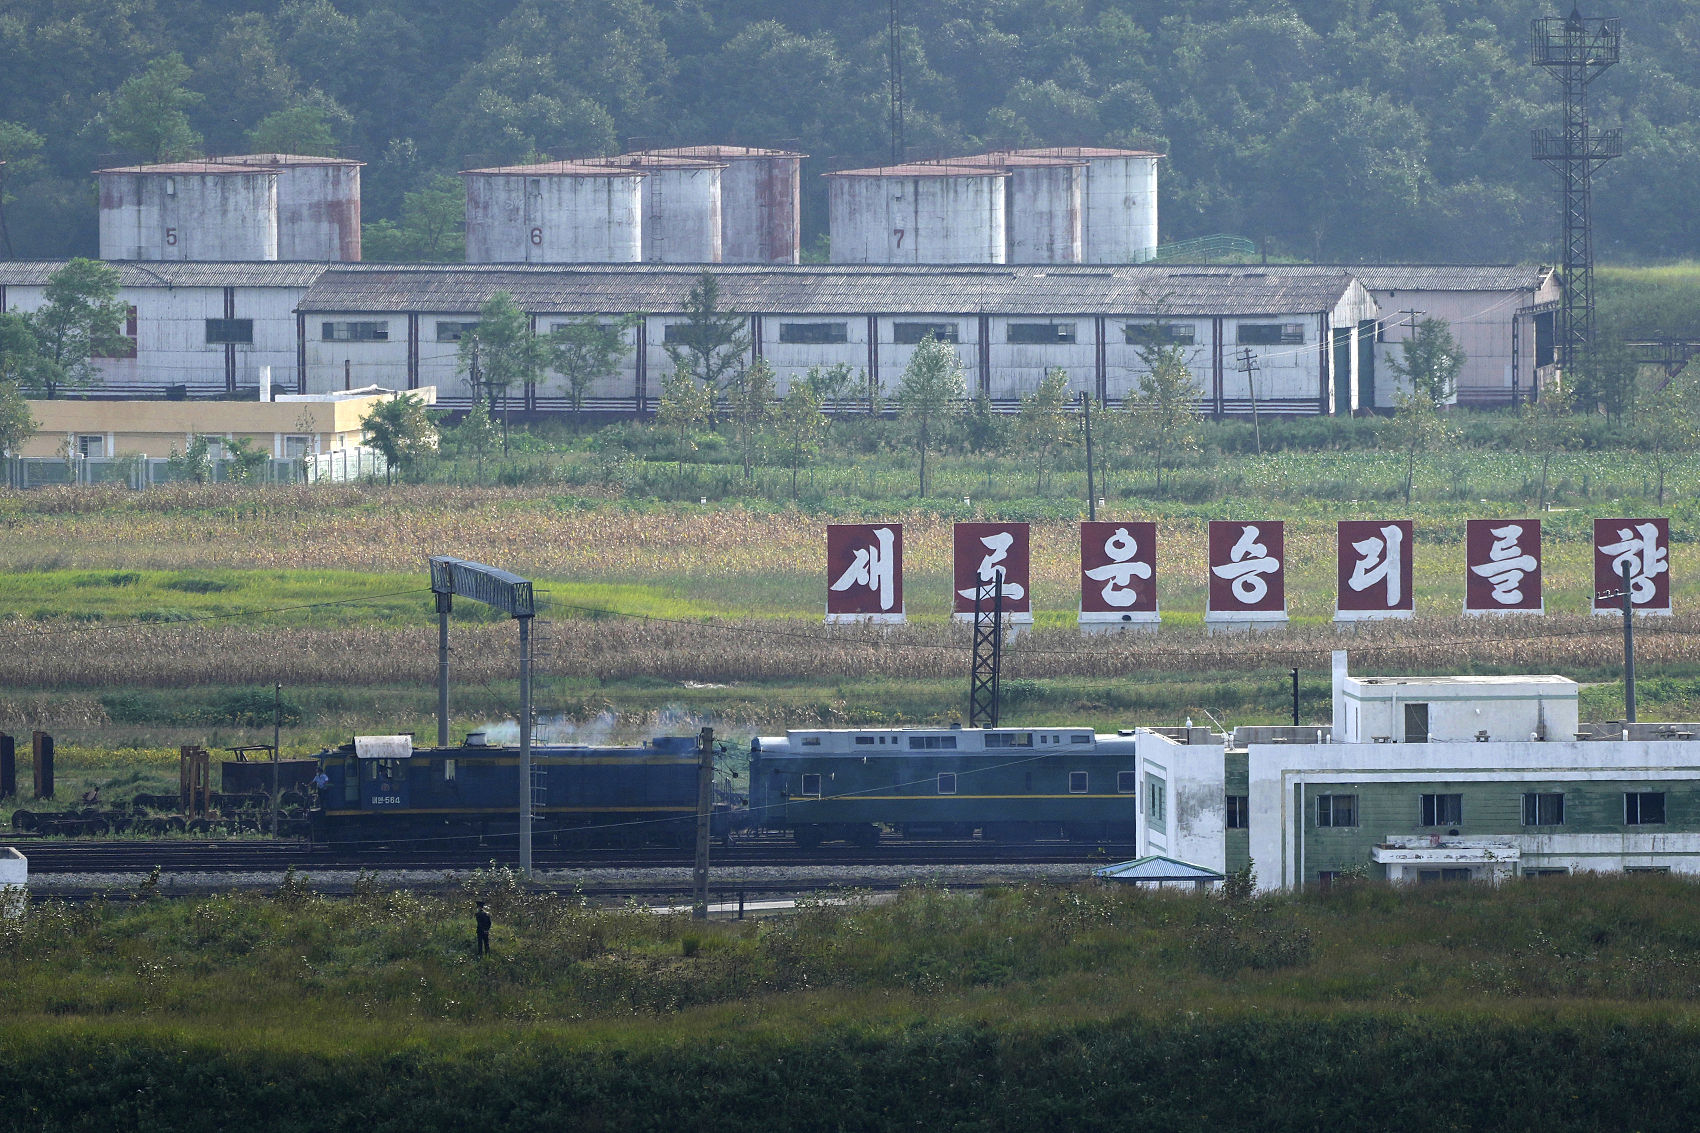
[[482, 919]]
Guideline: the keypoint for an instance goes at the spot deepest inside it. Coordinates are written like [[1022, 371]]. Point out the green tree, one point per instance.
[[20, 353], [194, 463], [432, 227], [1607, 378], [148, 115], [20, 148], [584, 350], [929, 396], [1046, 428], [17, 425], [710, 344], [1163, 410], [749, 403], [477, 434], [500, 353], [300, 129], [684, 408], [1666, 425], [82, 317], [1547, 426], [1427, 379], [401, 430], [800, 427], [243, 461]]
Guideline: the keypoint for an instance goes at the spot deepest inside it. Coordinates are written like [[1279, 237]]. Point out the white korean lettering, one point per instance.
[[1638, 549], [872, 568], [1379, 563], [1119, 573], [1507, 564], [997, 550], [1248, 561]]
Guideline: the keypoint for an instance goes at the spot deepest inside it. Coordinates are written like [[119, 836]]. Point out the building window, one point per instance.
[[454, 332], [126, 348], [1127, 782], [811, 786], [1239, 812], [297, 446], [1160, 334], [1646, 869], [931, 743], [238, 331], [356, 332], [1643, 808], [1451, 873], [814, 333], [91, 444], [1039, 334], [911, 334], [1077, 782], [1271, 334], [1442, 810], [1325, 878], [1336, 810], [1156, 800], [1546, 871], [947, 782], [1416, 723], [1009, 739], [1543, 809]]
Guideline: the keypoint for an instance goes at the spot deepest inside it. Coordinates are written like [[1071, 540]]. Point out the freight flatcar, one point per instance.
[[383, 791], [1006, 784]]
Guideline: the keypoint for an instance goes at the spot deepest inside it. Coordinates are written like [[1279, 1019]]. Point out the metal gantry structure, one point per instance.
[[1576, 51], [512, 595], [983, 698]]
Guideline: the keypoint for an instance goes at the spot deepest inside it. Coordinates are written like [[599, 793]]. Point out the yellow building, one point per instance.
[[289, 428]]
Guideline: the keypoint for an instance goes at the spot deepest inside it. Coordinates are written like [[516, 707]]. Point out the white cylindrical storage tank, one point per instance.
[[189, 210], [681, 207], [559, 212], [1043, 205], [318, 205], [919, 213], [1120, 225], [760, 201]]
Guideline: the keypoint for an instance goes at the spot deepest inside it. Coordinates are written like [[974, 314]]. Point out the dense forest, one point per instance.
[[1325, 129]]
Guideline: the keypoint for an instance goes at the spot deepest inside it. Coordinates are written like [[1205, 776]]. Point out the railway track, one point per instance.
[[265, 856]]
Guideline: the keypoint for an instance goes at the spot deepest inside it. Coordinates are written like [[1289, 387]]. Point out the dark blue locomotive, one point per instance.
[[382, 790], [1006, 784]]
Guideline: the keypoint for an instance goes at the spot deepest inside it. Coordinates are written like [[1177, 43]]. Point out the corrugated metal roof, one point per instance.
[[1449, 277], [175, 273], [1156, 867], [838, 289]]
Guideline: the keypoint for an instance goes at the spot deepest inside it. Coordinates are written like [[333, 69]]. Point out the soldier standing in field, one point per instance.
[[482, 919]]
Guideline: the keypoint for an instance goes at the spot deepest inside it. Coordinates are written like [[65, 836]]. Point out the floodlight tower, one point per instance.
[[1576, 51]]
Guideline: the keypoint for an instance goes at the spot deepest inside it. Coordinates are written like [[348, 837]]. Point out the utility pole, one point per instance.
[[1248, 366], [277, 727], [1091, 493], [1295, 698], [705, 810]]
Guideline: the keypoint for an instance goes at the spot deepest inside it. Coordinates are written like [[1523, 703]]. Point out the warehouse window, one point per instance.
[[1543, 809], [1646, 869], [947, 782], [814, 333], [931, 743], [1546, 871], [454, 332], [1336, 810], [239, 331], [1156, 801], [127, 347], [1238, 812], [1442, 810], [811, 786], [1009, 739], [911, 334], [1160, 334], [1271, 334], [1127, 782], [356, 332], [1643, 808], [1039, 334]]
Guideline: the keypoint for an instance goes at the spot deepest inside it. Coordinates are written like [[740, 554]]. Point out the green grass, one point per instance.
[[266, 597]]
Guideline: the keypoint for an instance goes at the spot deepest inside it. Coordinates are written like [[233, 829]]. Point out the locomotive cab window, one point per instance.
[[947, 782], [865, 740], [811, 786], [932, 743], [448, 771], [1127, 782], [1009, 739], [1077, 782], [1082, 738]]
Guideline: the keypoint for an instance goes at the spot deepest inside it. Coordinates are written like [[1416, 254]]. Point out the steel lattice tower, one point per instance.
[[1576, 51], [983, 692]]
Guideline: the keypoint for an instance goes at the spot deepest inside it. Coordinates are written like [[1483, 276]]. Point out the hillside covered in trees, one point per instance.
[[1330, 129]]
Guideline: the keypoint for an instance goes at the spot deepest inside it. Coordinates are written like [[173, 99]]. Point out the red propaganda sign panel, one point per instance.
[[1248, 567], [1642, 545], [985, 549], [1118, 568], [1502, 566], [1374, 569], [864, 572]]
